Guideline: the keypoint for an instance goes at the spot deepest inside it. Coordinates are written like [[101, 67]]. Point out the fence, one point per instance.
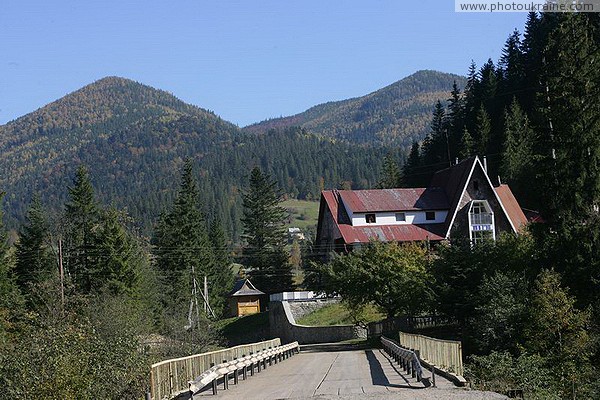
[[291, 296], [391, 326], [172, 376], [444, 354]]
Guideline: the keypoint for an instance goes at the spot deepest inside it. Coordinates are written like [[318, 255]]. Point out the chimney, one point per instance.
[[456, 161], [485, 164], [499, 181]]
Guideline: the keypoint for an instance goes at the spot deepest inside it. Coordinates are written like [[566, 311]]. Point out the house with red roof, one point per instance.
[[459, 203]]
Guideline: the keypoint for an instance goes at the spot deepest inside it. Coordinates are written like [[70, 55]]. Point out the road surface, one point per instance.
[[357, 374]]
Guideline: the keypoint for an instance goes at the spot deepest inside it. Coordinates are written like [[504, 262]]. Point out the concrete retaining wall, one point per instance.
[[283, 325], [301, 308]]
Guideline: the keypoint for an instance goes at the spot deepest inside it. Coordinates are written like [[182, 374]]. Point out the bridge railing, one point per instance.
[[244, 365], [408, 359], [444, 354], [172, 376]]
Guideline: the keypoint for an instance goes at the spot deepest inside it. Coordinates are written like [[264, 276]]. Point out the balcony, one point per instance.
[[482, 219]]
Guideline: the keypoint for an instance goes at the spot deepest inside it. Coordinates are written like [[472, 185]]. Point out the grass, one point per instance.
[[339, 314], [247, 329], [303, 213]]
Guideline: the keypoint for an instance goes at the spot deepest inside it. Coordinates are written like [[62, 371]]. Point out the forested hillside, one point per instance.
[[134, 139], [397, 114]]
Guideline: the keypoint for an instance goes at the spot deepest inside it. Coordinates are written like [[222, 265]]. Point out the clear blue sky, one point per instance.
[[245, 60]]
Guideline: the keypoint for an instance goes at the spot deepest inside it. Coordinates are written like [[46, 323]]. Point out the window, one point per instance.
[[481, 222], [370, 218], [430, 215], [400, 217]]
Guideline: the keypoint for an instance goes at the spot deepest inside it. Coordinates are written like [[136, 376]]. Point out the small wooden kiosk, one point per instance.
[[244, 299]]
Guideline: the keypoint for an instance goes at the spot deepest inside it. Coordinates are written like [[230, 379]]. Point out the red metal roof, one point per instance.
[[391, 233], [385, 233], [360, 201], [513, 210]]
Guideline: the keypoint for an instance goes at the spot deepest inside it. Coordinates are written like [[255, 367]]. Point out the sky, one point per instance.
[[245, 60]]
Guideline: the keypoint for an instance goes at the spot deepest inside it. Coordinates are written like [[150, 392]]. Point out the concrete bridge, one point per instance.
[[269, 370], [341, 374]]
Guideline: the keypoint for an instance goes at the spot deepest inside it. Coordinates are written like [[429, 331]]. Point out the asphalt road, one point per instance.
[[359, 374]]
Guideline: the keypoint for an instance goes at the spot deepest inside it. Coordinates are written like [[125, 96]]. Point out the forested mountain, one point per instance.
[[397, 114], [134, 139]]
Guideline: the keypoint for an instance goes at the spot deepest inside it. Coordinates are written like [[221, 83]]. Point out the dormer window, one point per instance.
[[400, 217], [430, 215], [370, 218], [481, 222]]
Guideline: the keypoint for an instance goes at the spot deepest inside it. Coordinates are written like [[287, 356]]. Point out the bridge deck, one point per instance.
[[339, 374]]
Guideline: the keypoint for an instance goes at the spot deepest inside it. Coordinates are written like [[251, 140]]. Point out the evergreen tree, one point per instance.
[[82, 216], [181, 244], [11, 301], [467, 145], [435, 145], [455, 120], [119, 257], [410, 169], [570, 147], [472, 101], [391, 175], [518, 156], [484, 128], [511, 66], [264, 233], [573, 152], [35, 260], [220, 278]]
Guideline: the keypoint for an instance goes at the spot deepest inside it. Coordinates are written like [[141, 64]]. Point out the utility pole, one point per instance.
[[448, 148], [205, 293], [62, 275]]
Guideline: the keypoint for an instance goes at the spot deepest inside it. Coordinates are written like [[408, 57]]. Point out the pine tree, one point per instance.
[[119, 257], [518, 157], [467, 146], [570, 147], [434, 146], [533, 45], [573, 148], [484, 129], [410, 169], [182, 247], [391, 175], [511, 66], [11, 301], [82, 216], [472, 99], [220, 277], [35, 260], [455, 120], [264, 233]]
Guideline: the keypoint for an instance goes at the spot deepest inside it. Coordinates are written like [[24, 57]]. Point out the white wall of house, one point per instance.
[[389, 218]]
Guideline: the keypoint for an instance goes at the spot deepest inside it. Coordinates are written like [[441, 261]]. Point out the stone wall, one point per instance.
[[283, 325]]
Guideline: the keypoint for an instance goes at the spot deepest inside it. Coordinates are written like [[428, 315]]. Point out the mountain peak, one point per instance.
[[104, 99], [397, 114]]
